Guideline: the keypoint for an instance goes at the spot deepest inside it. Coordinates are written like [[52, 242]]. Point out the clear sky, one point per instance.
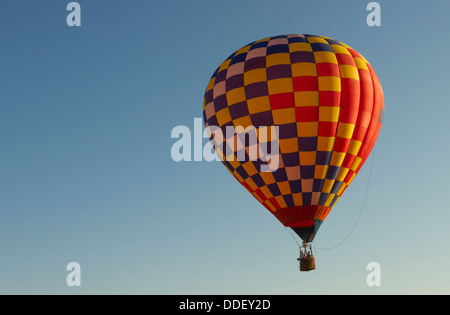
[[86, 115]]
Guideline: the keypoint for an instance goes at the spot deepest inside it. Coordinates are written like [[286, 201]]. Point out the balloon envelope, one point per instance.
[[324, 105]]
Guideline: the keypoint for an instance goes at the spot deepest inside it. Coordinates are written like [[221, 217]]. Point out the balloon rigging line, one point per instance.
[[360, 211], [357, 219], [292, 235]]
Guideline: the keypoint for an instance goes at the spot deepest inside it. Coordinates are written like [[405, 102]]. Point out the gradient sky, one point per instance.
[[87, 176]]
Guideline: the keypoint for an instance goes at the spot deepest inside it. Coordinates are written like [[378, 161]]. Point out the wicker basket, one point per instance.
[[307, 263]]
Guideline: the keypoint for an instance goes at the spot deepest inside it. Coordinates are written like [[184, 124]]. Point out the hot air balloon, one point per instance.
[[327, 105]]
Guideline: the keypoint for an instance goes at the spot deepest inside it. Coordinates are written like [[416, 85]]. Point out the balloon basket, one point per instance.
[[306, 259], [307, 264]]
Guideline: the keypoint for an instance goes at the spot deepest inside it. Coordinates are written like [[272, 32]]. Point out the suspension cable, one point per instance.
[[360, 211], [357, 219]]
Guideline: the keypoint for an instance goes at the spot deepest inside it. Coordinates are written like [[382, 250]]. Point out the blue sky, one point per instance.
[[87, 175]]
